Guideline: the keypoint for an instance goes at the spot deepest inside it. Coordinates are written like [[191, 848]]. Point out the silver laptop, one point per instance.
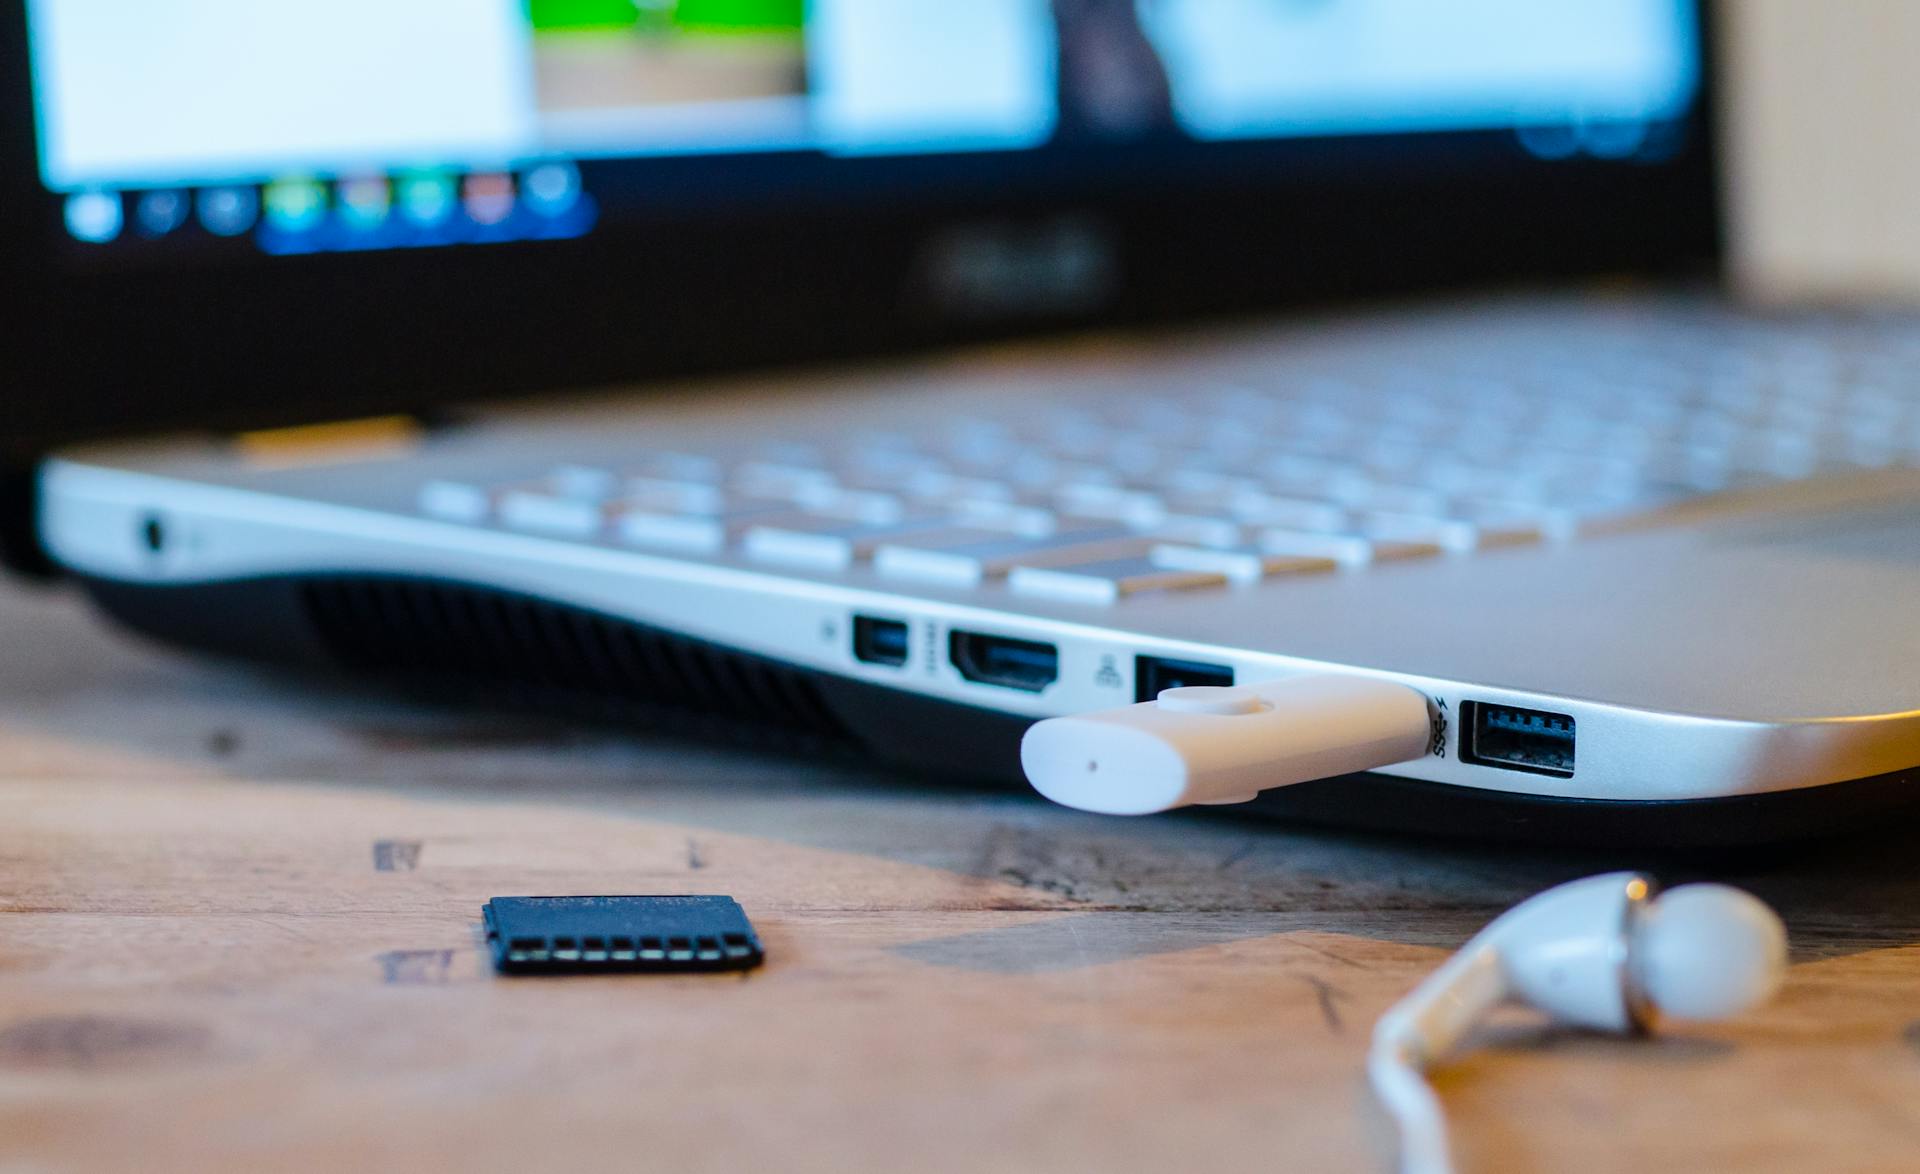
[[1408, 365]]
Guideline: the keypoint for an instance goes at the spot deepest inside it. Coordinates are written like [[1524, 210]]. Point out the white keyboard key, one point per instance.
[[1012, 517], [980, 451], [696, 532], [858, 505], [1448, 534], [1030, 472], [773, 479], [940, 485], [1390, 454], [1240, 564], [686, 533], [691, 497], [676, 466], [547, 513], [583, 481], [1462, 478], [1584, 519], [789, 452], [1197, 531], [1508, 526], [967, 557], [1291, 513], [1132, 506], [1069, 473], [895, 476], [1106, 581], [1349, 550], [1207, 490], [456, 501], [1080, 443], [1135, 456], [826, 544], [1379, 497], [1301, 473], [1870, 449], [1162, 417]]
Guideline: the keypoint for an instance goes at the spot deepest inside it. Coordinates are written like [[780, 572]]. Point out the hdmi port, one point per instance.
[[999, 660]]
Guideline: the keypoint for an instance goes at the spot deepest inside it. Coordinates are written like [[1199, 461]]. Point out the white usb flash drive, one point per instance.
[[1210, 744]]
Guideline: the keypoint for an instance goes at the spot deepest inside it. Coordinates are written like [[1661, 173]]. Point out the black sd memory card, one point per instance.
[[595, 935]]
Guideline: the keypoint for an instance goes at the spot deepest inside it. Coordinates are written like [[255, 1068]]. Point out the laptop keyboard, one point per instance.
[[1427, 444]]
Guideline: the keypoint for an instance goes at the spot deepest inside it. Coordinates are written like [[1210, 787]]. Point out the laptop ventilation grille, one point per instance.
[[527, 651]]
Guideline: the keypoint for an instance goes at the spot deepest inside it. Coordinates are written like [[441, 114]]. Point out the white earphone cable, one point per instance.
[[1422, 1028], [1403, 1090]]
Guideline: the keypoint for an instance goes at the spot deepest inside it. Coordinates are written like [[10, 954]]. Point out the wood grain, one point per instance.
[[238, 932]]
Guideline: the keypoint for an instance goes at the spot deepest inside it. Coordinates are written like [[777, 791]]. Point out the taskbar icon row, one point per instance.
[[312, 214]]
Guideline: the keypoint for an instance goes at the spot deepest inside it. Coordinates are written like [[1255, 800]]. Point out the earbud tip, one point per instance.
[[1709, 952]]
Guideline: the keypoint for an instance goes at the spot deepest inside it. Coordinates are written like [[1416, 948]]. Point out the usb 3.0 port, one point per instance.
[[1151, 674], [1510, 738], [1025, 665], [877, 641]]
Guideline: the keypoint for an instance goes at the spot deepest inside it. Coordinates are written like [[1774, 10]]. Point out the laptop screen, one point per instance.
[[176, 128]]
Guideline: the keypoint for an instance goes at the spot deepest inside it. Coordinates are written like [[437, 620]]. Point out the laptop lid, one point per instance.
[[229, 213]]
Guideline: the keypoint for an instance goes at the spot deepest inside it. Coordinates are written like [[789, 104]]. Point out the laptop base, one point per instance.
[[480, 645]]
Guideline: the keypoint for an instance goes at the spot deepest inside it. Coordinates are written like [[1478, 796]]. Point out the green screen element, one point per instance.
[[581, 14], [716, 15]]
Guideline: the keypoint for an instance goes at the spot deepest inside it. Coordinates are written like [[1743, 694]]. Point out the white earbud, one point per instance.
[[1603, 953]]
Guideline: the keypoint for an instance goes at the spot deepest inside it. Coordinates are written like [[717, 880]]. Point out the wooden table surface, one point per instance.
[[238, 931]]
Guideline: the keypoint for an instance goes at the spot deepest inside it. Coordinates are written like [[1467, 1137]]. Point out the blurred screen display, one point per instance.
[[361, 124]]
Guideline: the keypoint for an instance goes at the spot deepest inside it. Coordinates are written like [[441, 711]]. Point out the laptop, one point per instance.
[[982, 363]]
